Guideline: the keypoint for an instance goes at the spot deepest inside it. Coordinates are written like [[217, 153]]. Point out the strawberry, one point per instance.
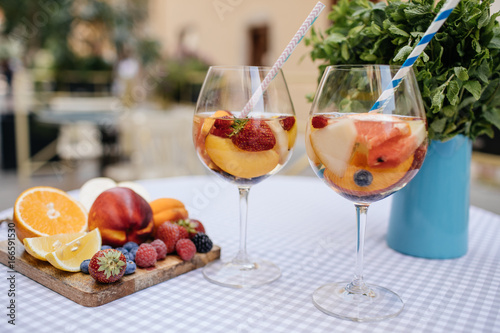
[[319, 121], [222, 127], [191, 226], [198, 227], [146, 255], [107, 266], [183, 231], [185, 248], [169, 234], [253, 135], [287, 123]]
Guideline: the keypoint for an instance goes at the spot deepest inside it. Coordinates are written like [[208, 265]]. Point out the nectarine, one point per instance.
[[122, 215]]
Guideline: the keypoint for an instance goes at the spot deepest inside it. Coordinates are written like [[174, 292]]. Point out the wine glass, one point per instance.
[[364, 156], [243, 148]]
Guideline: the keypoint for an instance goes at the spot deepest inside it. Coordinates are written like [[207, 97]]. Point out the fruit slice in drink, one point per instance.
[[238, 162]]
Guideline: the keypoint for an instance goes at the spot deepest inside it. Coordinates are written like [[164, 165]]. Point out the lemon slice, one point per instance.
[[70, 256], [39, 247]]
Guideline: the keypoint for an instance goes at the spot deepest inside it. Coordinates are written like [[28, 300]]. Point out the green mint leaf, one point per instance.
[[449, 111], [403, 53], [452, 92], [493, 116], [438, 125], [397, 31], [483, 20], [483, 71], [335, 38], [474, 88], [461, 73], [345, 51]]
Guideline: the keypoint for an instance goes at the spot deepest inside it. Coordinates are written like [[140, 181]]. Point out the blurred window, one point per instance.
[[259, 37]]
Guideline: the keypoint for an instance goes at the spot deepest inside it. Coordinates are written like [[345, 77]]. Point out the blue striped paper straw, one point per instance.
[[417, 51]]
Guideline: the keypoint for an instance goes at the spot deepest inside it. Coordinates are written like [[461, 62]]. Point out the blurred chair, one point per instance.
[[79, 140]]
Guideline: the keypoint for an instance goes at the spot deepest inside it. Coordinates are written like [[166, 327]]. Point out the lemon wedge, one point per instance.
[[70, 256], [39, 247]]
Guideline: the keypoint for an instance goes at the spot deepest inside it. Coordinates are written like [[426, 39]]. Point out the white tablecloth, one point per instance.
[[309, 231]]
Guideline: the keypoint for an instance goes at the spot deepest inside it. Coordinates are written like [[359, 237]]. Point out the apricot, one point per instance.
[[167, 210]]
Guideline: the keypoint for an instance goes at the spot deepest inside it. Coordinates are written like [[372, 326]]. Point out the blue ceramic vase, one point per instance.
[[430, 216]]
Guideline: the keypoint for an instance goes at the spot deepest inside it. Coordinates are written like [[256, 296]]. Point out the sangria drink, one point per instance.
[[244, 143], [364, 150]]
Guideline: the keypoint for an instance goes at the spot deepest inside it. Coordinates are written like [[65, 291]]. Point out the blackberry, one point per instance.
[[363, 178], [130, 245], [202, 242], [84, 266], [131, 266]]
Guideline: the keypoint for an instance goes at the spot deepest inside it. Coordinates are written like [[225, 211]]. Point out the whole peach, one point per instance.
[[121, 216]]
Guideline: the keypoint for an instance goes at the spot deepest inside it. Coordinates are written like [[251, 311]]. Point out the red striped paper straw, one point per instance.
[[283, 57]]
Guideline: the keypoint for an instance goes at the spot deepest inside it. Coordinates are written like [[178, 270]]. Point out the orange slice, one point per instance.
[[70, 256], [39, 247], [46, 211]]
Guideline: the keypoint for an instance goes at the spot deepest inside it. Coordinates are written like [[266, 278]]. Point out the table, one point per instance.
[[309, 231]]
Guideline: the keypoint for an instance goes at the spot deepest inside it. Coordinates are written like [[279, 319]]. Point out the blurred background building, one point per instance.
[[107, 87]]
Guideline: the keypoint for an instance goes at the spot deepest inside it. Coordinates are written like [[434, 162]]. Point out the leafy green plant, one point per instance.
[[458, 73]]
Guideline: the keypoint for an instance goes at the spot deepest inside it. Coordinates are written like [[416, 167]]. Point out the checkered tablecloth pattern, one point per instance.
[[308, 230]]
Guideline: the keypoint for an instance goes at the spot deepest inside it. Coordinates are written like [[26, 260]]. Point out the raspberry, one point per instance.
[[185, 249], [202, 242], [146, 256], [160, 247], [287, 123], [169, 234], [319, 121]]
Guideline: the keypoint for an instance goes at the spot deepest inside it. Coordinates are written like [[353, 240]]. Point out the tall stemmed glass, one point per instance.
[[243, 149], [364, 156]]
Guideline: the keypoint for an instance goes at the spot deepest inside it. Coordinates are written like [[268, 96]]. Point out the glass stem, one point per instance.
[[357, 285], [241, 258]]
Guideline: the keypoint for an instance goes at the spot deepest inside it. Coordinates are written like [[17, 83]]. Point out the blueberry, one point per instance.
[[363, 178], [132, 253], [84, 266], [122, 250], [130, 267], [130, 245], [105, 247]]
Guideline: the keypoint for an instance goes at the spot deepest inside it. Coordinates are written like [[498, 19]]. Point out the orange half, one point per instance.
[[46, 211]]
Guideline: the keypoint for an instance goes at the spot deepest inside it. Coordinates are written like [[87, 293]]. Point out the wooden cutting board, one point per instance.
[[83, 289]]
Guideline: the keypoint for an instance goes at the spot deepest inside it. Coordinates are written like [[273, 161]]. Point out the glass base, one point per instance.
[[376, 303], [236, 274]]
